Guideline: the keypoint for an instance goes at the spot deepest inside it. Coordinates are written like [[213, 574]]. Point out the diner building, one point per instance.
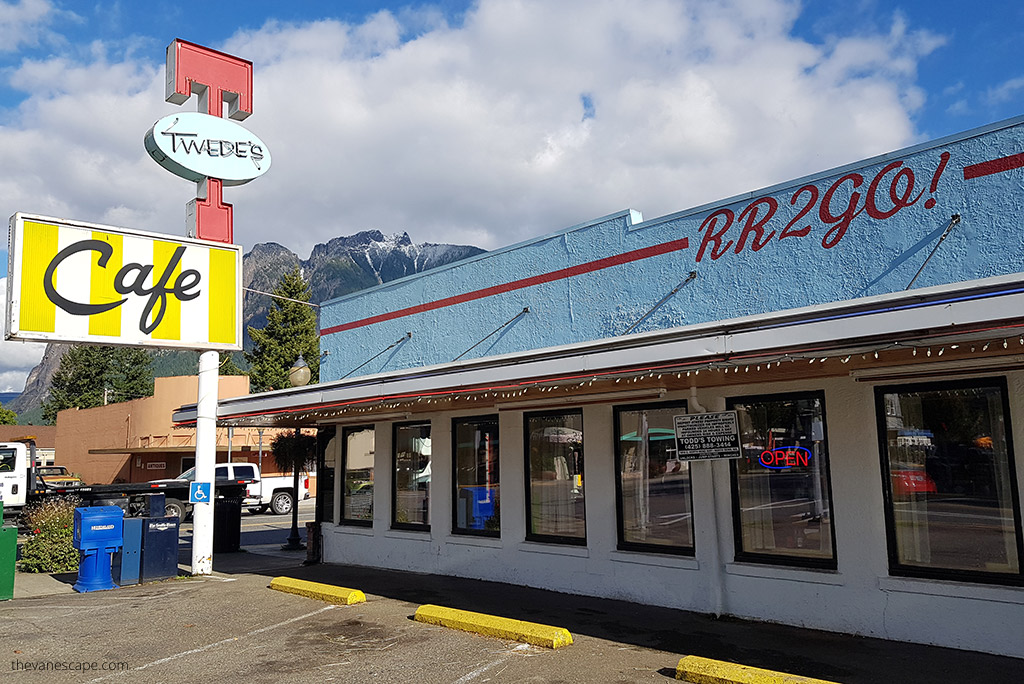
[[529, 415]]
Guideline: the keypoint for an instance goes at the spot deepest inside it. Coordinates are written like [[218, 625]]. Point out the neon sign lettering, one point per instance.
[[778, 458]]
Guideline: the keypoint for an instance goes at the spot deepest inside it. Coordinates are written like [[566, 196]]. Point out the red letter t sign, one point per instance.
[[217, 79]]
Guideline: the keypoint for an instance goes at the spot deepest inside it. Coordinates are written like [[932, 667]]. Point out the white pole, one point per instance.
[[206, 458]]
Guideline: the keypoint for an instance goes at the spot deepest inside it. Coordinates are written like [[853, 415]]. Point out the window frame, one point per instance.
[[342, 520], [741, 556], [621, 543], [455, 475], [897, 569], [395, 525], [325, 476], [551, 538]]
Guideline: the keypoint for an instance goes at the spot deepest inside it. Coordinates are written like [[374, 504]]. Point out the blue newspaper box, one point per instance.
[[126, 562], [159, 549], [475, 507], [97, 534]]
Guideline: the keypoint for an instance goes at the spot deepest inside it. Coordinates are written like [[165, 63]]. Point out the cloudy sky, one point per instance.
[[491, 121]]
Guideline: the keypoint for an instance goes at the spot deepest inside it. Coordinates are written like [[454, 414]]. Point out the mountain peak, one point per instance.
[[338, 267]]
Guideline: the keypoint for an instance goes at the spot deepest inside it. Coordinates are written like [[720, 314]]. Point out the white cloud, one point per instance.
[[958, 107], [16, 358], [1006, 91], [477, 133], [26, 23]]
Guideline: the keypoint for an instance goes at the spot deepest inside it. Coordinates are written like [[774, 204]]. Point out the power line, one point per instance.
[[287, 299]]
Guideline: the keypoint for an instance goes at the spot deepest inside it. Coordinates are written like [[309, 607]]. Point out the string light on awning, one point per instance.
[[570, 385]]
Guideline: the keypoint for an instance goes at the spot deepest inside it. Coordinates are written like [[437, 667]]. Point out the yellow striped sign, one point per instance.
[[80, 282]]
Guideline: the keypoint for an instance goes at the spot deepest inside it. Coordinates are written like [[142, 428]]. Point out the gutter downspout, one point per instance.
[[717, 581], [694, 405]]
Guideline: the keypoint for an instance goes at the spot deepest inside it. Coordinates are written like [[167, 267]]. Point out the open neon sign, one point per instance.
[[785, 457]]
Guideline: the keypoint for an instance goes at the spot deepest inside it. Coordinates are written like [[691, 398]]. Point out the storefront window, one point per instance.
[[655, 505], [554, 463], [475, 461], [357, 483], [327, 459], [411, 490], [950, 489], [781, 494]]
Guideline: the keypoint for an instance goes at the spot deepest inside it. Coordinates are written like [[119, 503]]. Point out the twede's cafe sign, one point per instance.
[[78, 282], [70, 281]]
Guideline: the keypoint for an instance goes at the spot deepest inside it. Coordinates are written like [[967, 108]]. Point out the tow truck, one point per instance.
[[21, 485]]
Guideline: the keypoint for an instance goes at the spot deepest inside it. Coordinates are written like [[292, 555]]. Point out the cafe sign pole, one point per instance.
[[213, 152]]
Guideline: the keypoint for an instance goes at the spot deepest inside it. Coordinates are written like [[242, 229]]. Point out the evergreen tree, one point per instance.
[[93, 375], [8, 417], [291, 330], [228, 365]]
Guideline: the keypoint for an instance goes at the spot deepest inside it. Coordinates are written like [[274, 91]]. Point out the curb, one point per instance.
[[316, 590], [707, 671], [491, 625]]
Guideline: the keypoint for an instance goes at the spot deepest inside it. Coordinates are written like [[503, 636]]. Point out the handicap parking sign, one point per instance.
[[199, 492]]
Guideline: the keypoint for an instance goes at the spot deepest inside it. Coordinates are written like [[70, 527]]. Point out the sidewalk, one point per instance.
[[32, 585], [643, 642]]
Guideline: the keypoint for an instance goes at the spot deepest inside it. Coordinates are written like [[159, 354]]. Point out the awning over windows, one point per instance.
[[911, 330]]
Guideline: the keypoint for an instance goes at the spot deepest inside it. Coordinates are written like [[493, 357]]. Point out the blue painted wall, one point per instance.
[[859, 230]]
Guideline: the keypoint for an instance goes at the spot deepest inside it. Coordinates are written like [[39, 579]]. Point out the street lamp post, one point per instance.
[[298, 375]]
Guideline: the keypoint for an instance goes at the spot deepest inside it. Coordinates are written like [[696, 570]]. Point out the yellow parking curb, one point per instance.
[[316, 590], [706, 671], [491, 625]]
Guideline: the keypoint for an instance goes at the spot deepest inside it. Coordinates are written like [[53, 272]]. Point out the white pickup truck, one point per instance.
[[275, 493]]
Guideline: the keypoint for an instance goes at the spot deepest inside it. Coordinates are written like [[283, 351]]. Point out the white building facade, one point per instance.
[[522, 428]]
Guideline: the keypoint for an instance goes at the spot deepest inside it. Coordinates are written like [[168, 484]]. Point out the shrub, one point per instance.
[[49, 545]]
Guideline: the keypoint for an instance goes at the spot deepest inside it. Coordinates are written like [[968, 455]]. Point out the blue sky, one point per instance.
[[492, 121]]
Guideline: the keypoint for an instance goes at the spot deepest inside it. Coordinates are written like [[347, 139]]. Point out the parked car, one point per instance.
[[911, 479], [274, 493], [56, 476]]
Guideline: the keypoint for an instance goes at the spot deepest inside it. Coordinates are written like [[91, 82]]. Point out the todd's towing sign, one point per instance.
[[702, 436]]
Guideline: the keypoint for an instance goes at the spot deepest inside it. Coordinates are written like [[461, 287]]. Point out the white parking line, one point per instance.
[[213, 645]]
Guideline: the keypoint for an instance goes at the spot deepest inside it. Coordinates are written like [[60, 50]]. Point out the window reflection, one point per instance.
[[781, 483], [654, 485], [554, 443], [357, 484], [411, 475], [477, 504], [950, 479]]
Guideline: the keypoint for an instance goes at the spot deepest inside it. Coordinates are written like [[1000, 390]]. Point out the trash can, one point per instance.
[[314, 543], [97, 534], [120, 501], [8, 556], [227, 524], [126, 563], [159, 549], [149, 505], [155, 505]]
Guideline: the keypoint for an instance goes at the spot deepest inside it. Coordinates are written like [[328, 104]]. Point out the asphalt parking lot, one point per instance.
[[232, 626]]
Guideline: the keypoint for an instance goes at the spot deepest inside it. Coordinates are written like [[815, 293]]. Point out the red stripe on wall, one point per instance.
[[1014, 161], [561, 274]]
